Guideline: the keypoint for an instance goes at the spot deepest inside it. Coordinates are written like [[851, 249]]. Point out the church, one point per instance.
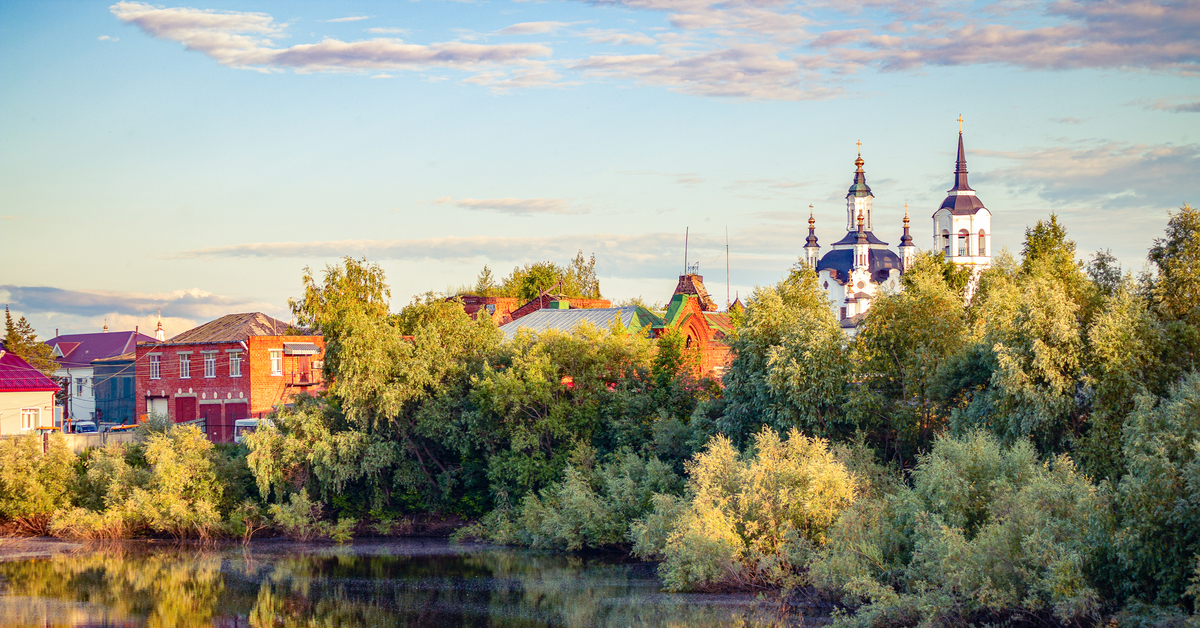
[[860, 265]]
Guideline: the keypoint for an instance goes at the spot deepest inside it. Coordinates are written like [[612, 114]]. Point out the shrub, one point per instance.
[[747, 520], [594, 507], [300, 519], [34, 484], [984, 530]]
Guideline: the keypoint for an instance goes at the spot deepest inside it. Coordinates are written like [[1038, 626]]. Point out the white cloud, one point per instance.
[[617, 37], [516, 206], [355, 18], [108, 38], [382, 76], [1103, 174], [387, 31], [243, 40], [532, 28], [77, 311]]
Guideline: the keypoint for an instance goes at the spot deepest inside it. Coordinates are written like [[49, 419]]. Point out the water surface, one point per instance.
[[386, 584]]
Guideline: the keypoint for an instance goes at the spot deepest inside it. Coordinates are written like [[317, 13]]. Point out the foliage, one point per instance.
[[984, 530], [747, 520], [577, 279], [33, 484], [176, 492], [21, 340], [900, 350], [593, 506], [1157, 501], [789, 368], [300, 519], [931, 264]]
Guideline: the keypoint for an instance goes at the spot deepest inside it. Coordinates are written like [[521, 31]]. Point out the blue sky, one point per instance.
[[195, 157]]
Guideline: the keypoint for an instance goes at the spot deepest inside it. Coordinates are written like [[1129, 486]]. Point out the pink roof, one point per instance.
[[79, 350], [17, 375]]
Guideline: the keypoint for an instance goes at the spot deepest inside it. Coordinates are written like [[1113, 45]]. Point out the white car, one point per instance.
[[241, 427], [84, 427]]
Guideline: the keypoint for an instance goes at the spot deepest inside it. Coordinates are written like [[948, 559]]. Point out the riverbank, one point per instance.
[[23, 548]]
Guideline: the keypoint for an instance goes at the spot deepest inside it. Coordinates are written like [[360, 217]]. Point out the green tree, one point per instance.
[[789, 369], [21, 340], [351, 293], [33, 484], [902, 344], [1175, 289]]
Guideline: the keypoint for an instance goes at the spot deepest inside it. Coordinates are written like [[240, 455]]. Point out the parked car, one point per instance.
[[242, 427], [84, 427]]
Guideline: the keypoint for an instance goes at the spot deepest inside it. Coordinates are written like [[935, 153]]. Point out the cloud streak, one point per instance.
[[245, 40], [516, 206]]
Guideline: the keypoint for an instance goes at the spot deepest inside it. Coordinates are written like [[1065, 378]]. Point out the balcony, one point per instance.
[[304, 378]]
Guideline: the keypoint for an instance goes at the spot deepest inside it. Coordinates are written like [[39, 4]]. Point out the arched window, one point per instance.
[[982, 243], [962, 242], [688, 344], [946, 241]]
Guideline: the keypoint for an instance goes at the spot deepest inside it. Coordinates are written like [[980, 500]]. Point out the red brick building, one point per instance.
[[237, 366], [505, 310]]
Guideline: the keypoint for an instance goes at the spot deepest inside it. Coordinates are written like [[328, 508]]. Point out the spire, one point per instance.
[[858, 163], [812, 229], [159, 334], [906, 239], [106, 325], [960, 168]]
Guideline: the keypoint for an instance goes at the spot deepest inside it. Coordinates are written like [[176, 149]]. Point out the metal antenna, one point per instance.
[[726, 267], [685, 247]]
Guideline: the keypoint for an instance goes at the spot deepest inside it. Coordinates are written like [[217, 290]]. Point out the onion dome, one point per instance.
[[812, 230], [906, 239]]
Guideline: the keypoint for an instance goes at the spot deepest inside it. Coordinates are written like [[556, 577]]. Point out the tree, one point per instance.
[[485, 283], [21, 340], [1175, 289], [351, 293], [789, 367], [901, 345]]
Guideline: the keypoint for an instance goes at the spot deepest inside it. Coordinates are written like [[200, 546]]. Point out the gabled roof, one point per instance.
[[232, 328], [79, 350], [632, 316], [17, 376], [720, 321]]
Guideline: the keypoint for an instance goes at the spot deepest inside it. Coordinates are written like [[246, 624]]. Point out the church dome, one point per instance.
[[879, 261]]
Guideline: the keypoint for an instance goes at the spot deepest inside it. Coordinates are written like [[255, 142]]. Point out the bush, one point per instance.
[[175, 493], [984, 530], [34, 484], [747, 520], [300, 519], [594, 507]]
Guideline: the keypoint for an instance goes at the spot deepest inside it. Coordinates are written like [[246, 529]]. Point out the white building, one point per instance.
[[859, 266]]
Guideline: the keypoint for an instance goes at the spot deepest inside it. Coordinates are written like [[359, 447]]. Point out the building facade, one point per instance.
[[26, 397], [235, 367], [75, 354]]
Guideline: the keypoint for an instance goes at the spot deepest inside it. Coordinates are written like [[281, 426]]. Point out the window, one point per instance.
[[946, 241], [276, 361], [185, 366], [982, 243], [78, 386], [30, 418], [156, 367], [235, 364], [210, 365], [962, 243]]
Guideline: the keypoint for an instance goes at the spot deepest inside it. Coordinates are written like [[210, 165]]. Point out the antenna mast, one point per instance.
[[726, 268], [685, 247]]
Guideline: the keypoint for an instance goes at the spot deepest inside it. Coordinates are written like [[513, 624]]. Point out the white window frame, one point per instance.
[[155, 367], [185, 366], [31, 418], [210, 364], [235, 363], [276, 361]]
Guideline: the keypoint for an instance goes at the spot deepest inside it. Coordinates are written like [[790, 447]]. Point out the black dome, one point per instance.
[[880, 261]]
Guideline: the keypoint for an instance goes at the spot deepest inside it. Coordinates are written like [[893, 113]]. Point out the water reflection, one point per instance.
[[409, 583]]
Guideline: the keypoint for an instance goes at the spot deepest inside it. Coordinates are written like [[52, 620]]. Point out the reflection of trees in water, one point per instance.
[[336, 586]]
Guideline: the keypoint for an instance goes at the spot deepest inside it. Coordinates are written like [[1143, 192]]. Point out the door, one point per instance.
[[157, 405], [214, 423]]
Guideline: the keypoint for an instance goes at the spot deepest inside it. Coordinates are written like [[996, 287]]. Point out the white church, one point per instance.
[[860, 265]]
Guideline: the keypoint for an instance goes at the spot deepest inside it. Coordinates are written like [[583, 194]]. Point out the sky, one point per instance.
[[195, 157]]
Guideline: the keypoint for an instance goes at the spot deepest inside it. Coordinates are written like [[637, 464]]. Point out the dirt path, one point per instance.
[[15, 548]]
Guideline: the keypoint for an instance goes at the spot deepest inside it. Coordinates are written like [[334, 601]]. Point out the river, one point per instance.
[[414, 582]]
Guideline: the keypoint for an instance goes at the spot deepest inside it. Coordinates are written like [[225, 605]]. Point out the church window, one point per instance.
[[982, 243], [962, 243], [843, 312], [946, 241]]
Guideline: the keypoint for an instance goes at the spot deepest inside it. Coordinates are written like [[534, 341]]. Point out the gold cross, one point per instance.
[[859, 142], [960, 121]]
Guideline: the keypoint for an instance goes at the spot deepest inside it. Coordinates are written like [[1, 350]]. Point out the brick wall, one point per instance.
[[216, 402]]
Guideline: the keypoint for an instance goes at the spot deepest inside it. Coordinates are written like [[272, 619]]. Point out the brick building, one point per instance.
[[237, 366], [505, 310]]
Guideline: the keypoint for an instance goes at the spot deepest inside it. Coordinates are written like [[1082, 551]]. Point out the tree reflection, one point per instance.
[[397, 584]]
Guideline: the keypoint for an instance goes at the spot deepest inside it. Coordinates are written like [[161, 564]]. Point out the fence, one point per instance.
[[80, 442]]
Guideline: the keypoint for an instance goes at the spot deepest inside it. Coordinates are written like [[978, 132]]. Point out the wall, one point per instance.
[[11, 404], [115, 388]]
